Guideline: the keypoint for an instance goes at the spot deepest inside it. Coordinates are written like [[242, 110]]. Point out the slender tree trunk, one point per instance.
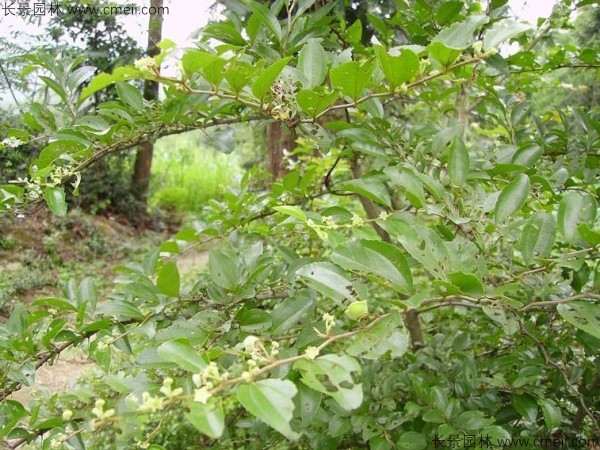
[[143, 157], [279, 138]]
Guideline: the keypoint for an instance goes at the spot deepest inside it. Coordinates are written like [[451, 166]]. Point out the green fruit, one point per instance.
[[357, 310]]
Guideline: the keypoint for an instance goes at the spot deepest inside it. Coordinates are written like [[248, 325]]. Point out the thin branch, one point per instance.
[[10, 88], [560, 66], [451, 303], [560, 367], [408, 86], [282, 362], [573, 298], [126, 145]]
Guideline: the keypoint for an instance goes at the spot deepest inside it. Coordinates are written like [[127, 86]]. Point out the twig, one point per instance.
[[573, 298], [541, 347], [10, 88]]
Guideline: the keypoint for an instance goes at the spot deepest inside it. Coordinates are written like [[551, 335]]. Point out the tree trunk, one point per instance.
[[143, 157], [279, 138]]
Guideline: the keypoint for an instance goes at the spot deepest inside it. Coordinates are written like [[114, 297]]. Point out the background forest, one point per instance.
[[319, 224]]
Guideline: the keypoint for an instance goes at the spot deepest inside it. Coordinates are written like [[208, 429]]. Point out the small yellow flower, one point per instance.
[[311, 352], [357, 221], [148, 65], [202, 395]]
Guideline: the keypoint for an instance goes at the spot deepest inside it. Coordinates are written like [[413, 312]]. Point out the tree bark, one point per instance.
[[143, 158], [279, 138]]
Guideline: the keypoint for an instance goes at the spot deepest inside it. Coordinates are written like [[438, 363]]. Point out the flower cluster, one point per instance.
[[284, 105], [100, 413], [357, 221], [206, 380], [256, 347], [148, 65], [34, 186], [12, 142], [258, 354], [167, 391], [58, 440], [329, 324], [311, 352], [150, 403]]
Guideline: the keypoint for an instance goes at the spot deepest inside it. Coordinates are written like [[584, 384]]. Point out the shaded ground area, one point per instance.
[[39, 254]]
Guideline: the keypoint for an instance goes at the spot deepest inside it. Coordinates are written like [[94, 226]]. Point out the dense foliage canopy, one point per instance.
[[425, 274]]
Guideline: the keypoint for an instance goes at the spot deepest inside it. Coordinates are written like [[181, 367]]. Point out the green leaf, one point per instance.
[[130, 95], [502, 31], [240, 74], [575, 208], [459, 35], [471, 421], [527, 156], [585, 316], [87, 293], [353, 33], [104, 80], [458, 162], [388, 335], [266, 16], [326, 278], [168, 279], [512, 198], [56, 87], [181, 353], [289, 312], [352, 77], [448, 11], [79, 76], [309, 401], [270, 400], [314, 103], [267, 77], [293, 211], [194, 61], [495, 433], [526, 406], [224, 269], [444, 55], [552, 414], [369, 188], [55, 199], [225, 32], [120, 309], [207, 418], [332, 375], [410, 182], [538, 236], [312, 63], [467, 283], [380, 259], [397, 69], [214, 73], [411, 440], [253, 320]]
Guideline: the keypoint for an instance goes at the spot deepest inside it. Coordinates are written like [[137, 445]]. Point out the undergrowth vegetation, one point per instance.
[[187, 172]]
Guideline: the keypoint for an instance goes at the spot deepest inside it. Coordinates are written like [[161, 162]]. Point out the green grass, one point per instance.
[[186, 172]]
